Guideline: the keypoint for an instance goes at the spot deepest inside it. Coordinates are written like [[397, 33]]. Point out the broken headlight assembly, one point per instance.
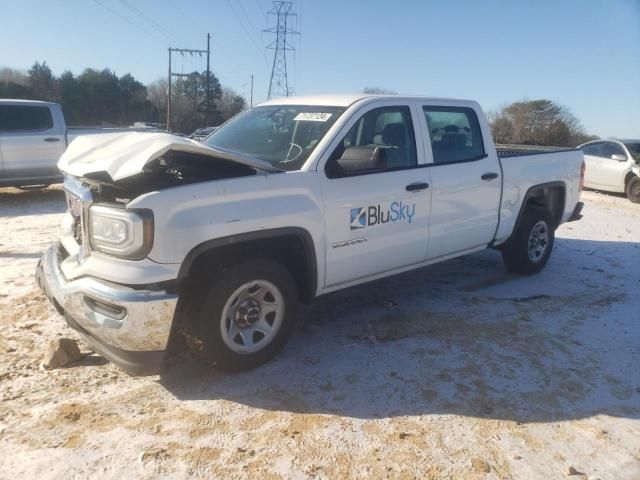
[[120, 232]]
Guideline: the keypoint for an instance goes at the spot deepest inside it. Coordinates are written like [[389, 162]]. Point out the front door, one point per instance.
[[376, 221], [612, 172]]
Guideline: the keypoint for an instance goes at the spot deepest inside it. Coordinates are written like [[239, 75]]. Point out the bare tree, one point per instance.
[[11, 75], [537, 122], [229, 104], [13, 83], [157, 95]]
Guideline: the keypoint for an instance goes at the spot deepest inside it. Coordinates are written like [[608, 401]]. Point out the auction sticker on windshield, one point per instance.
[[312, 117]]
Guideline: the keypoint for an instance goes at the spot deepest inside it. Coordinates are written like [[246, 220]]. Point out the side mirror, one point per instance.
[[362, 159], [618, 157]]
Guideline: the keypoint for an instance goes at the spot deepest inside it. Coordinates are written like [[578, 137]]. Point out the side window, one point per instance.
[[612, 149], [593, 149], [389, 130], [455, 134], [18, 118]]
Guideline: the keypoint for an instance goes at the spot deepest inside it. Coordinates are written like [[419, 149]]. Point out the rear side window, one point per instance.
[[593, 149], [19, 118], [612, 149], [455, 134]]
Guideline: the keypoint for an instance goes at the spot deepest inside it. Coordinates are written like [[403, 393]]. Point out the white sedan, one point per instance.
[[614, 166]]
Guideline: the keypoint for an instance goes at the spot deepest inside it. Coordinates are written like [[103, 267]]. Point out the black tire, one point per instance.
[[205, 334], [516, 253], [633, 190]]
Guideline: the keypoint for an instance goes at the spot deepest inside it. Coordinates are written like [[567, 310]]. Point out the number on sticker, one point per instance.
[[312, 117]]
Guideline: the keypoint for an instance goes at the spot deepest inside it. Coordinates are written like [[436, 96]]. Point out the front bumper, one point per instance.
[[127, 326]]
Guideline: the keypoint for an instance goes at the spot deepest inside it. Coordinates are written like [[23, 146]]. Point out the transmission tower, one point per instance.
[[279, 83]]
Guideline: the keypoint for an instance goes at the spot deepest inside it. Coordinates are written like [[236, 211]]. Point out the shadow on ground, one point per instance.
[[461, 337], [606, 193]]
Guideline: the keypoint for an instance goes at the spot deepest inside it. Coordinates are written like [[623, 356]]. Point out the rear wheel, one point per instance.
[[633, 190], [528, 251], [246, 317]]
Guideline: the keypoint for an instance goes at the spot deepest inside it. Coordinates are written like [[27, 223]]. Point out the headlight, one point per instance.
[[120, 232]]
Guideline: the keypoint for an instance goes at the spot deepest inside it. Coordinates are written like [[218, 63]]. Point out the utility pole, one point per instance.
[[169, 97], [172, 74], [251, 101], [279, 82], [206, 114]]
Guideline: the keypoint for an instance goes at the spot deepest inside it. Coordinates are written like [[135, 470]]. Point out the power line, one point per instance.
[[244, 12], [189, 17], [130, 22], [151, 22], [243, 27], [253, 28]]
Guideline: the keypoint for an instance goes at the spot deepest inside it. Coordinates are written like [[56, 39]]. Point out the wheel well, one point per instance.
[[292, 250], [628, 178], [549, 197]]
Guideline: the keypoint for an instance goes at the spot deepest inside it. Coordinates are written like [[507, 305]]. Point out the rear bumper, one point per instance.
[[577, 212], [127, 326]]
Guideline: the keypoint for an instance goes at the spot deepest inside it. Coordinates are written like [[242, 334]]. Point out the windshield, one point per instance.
[[634, 150], [283, 135]]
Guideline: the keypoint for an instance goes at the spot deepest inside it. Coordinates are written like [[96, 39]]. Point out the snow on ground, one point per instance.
[[459, 370]]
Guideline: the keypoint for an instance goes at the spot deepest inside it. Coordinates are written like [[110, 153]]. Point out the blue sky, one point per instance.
[[583, 54]]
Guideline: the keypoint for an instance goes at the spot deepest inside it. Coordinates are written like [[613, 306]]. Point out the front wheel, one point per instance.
[[633, 190], [246, 317], [528, 251]]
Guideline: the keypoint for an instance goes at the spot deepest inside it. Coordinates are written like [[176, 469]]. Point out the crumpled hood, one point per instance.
[[123, 155]]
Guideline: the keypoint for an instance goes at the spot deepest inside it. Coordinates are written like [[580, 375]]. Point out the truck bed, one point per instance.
[[505, 151], [521, 170]]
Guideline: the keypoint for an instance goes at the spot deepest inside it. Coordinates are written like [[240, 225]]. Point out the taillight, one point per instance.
[[582, 169]]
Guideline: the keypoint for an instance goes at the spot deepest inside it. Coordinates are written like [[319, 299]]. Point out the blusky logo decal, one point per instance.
[[362, 217], [358, 218]]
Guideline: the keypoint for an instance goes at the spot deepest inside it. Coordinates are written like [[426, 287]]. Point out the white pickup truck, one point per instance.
[[33, 135], [292, 199]]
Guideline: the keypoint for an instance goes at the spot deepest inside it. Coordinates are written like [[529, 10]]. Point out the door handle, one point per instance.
[[51, 139], [416, 187], [489, 176]]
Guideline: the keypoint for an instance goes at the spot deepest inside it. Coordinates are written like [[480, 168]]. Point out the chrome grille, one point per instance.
[[74, 207], [78, 201]]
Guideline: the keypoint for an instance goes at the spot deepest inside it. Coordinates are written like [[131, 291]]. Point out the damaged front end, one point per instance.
[[173, 169], [120, 167], [99, 276]]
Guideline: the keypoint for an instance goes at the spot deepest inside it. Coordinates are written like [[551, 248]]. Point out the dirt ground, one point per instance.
[[459, 370]]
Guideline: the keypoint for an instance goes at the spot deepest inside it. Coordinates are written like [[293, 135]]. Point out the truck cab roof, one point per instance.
[[348, 99], [21, 101]]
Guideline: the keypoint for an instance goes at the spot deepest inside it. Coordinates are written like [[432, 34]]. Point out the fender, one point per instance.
[[529, 194], [301, 233]]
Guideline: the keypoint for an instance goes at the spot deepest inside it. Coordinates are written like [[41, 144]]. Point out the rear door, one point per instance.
[[376, 221], [612, 171], [31, 141], [465, 179]]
